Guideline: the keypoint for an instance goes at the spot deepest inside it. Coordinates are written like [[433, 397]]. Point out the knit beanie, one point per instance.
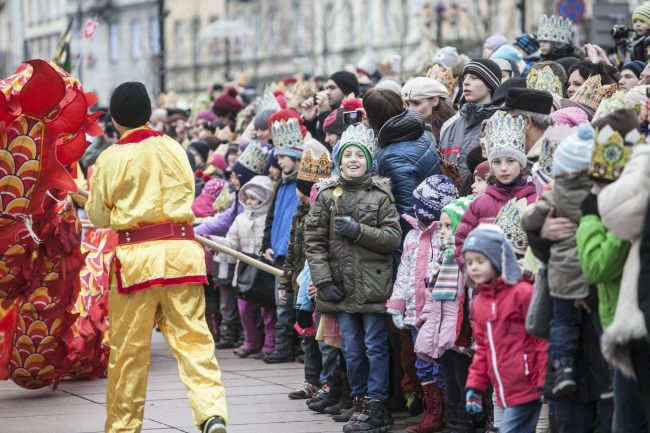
[[489, 240], [486, 70], [273, 161], [455, 210], [334, 122], [130, 105], [528, 43], [510, 53], [389, 84], [202, 148], [420, 88], [304, 186], [570, 116], [207, 115], [642, 13], [636, 67], [431, 196], [346, 81], [447, 57], [573, 154], [228, 102], [257, 192], [496, 40], [482, 170], [261, 120]]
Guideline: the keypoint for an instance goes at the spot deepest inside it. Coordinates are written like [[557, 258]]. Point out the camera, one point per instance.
[[351, 117], [620, 31]]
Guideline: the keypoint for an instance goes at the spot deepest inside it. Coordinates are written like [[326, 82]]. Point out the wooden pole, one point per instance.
[[214, 246]]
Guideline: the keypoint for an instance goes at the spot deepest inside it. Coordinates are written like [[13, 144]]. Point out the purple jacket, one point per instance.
[[219, 226], [485, 210]]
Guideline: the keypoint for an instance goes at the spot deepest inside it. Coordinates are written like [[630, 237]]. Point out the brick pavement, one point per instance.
[[257, 401]]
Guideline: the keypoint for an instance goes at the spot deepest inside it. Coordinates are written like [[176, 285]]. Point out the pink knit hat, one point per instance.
[[570, 116]]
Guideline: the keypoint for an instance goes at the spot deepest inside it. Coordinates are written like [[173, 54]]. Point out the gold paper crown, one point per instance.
[[302, 91], [617, 101], [316, 163], [544, 79], [592, 92], [552, 137], [611, 153], [505, 132], [554, 29], [445, 76]]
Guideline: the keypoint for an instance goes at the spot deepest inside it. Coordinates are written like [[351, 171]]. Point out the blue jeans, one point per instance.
[[427, 371], [521, 418], [330, 361], [628, 405], [364, 341], [565, 329], [572, 416]]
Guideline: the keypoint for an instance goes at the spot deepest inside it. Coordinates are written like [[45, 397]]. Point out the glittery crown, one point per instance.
[[286, 134], [504, 131], [360, 135], [617, 101], [266, 102], [552, 137], [554, 29], [445, 76], [509, 219], [611, 153], [592, 92], [316, 163], [255, 157], [225, 134], [302, 90], [544, 79]]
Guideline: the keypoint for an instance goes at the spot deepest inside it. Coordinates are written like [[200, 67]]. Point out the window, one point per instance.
[[196, 39], [179, 41], [114, 41], [136, 39], [154, 35]]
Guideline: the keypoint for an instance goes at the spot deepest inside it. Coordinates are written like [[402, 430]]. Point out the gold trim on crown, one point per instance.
[[445, 76], [612, 152], [544, 79], [592, 92], [314, 170]]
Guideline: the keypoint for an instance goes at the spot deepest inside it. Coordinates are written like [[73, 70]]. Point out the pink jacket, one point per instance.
[[513, 361], [440, 324], [419, 254], [486, 208]]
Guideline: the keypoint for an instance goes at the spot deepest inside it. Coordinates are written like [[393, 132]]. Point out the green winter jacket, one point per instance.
[[602, 257], [362, 268]]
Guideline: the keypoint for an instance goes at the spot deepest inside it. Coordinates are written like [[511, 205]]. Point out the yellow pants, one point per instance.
[[180, 314]]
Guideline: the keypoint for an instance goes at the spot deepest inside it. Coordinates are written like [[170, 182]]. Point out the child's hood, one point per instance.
[[267, 185]]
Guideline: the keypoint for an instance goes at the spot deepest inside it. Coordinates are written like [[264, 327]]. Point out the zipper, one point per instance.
[[494, 365], [526, 370]]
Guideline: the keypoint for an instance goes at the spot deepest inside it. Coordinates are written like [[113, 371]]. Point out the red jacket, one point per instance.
[[485, 210], [506, 355]]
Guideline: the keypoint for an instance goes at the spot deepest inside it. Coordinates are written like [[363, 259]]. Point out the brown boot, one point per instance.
[[213, 325], [434, 405]]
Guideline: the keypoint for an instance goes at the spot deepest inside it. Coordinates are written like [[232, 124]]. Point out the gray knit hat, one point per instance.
[[489, 240]]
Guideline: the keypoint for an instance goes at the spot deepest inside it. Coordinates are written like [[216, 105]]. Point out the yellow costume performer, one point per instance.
[[143, 188]]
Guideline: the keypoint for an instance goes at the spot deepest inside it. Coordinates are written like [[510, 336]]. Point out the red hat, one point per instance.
[[282, 100], [286, 114], [228, 102], [482, 170]]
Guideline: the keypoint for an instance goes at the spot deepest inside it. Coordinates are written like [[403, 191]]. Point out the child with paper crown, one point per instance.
[[421, 248], [506, 356], [439, 337], [351, 234]]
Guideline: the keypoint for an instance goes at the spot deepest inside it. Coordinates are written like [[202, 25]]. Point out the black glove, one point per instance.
[[330, 293], [304, 319], [345, 225], [590, 205]]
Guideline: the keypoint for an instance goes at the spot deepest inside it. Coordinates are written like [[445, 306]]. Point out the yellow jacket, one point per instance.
[[144, 179]]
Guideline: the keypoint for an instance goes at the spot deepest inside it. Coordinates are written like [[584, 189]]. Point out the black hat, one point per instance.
[[346, 81], [202, 148], [130, 104], [486, 70], [304, 186], [536, 101], [501, 93]]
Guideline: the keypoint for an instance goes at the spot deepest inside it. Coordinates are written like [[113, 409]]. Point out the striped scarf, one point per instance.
[[446, 286]]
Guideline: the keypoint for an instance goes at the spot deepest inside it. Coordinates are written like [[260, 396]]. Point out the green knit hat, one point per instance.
[[642, 13], [456, 209], [361, 137]]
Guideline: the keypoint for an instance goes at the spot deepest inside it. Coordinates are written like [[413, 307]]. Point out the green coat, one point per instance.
[[602, 257], [362, 268]]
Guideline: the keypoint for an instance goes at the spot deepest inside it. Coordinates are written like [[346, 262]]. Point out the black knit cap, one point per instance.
[[486, 70], [304, 186], [533, 100], [130, 104], [346, 81]]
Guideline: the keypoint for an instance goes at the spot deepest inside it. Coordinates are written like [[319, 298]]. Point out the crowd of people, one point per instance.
[[471, 244]]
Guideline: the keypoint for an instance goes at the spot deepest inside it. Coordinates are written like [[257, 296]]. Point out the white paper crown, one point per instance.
[[360, 135], [554, 29], [509, 219], [255, 157], [504, 131], [286, 134], [266, 102]]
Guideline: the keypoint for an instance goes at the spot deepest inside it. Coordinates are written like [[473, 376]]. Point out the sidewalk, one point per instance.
[[257, 401]]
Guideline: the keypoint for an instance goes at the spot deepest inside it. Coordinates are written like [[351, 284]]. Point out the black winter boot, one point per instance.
[[358, 404], [374, 418], [229, 337], [466, 422], [564, 384], [345, 400], [329, 396], [452, 418]]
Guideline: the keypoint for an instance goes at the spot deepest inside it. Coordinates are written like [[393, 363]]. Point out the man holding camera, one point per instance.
[[637, 46]]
